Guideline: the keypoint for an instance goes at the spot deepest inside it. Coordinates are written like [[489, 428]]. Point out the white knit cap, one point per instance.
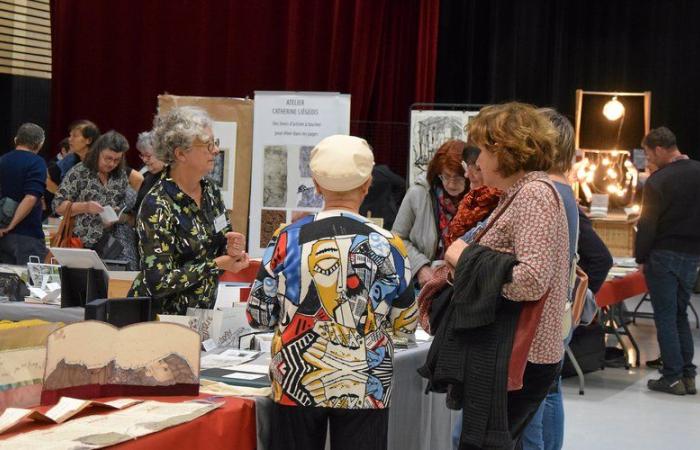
[[341, 163]]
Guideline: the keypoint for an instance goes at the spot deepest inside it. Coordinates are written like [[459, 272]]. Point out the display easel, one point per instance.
[[81, 286]]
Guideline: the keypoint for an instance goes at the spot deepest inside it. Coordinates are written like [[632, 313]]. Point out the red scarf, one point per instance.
[[446, 211], [474, 207]]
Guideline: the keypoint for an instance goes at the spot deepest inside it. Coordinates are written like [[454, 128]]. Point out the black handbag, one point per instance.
[[439, 306], [108, 247]]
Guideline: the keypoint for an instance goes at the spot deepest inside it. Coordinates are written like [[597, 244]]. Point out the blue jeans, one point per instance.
[[546, 429], [670, 277]]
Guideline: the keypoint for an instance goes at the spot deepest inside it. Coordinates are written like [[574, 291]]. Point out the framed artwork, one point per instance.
[[430, 128]]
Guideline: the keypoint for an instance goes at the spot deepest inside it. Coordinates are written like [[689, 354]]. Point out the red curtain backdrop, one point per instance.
[[112, 58]]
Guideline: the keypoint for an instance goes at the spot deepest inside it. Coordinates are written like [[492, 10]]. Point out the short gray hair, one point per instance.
[[144, 141], [564, 157], [30, 135], [178, 128]]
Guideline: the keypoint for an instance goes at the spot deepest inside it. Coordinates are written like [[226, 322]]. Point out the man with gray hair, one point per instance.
[[22, 184]]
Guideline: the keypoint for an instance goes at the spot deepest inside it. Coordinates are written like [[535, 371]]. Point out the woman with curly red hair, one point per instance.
[[428, 208]]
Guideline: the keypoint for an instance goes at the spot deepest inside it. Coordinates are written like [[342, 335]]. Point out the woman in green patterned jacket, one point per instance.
[[185, 238]]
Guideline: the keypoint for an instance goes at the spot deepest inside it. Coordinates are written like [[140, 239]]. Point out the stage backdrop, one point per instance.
[[112, 58], [541, 51]]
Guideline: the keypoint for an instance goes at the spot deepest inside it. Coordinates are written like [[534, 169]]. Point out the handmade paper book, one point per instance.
[[94, 359]]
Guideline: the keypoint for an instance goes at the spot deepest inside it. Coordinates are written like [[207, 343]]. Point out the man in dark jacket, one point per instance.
[[23, 180], [668, 245]]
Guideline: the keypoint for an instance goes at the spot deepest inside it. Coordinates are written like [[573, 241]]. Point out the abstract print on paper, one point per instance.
[[333, 286]]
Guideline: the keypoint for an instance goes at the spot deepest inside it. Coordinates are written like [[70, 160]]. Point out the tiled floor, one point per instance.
[[619, 412]]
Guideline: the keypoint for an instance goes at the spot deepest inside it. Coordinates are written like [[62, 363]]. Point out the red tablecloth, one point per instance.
[[246, 275], [230, 427], [617, 290]]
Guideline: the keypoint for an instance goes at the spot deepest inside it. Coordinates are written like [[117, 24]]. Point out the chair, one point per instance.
[[577, 368]]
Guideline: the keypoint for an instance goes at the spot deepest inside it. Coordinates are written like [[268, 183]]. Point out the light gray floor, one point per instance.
[[619, 412]]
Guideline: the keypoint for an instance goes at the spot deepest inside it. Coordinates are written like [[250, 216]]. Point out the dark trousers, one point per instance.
[[304, 428], [17, 248], [670, 277], [523, 404]]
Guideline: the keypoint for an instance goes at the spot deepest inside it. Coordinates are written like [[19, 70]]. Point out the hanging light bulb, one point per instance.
[[614, 153], [606, 161], [635, 208], [612, 174], [613, 109], [612, 189]]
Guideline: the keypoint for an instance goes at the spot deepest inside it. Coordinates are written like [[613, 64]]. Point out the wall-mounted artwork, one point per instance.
[[430, 128], [287, 127]]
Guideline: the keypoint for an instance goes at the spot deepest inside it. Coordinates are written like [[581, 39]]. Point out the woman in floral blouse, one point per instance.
[[185, 237], [101, 180], [518, 147]]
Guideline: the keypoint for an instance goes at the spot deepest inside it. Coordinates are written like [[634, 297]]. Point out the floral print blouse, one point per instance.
[[534, 229], [83, 185], [178, 242]]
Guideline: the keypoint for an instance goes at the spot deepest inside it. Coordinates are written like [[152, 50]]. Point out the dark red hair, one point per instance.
[[448, 156]]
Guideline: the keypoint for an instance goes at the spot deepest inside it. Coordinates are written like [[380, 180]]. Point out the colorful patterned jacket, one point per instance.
[[334, 287]]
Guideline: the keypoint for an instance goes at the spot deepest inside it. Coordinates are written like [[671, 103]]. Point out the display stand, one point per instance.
[[80, 286], [123, 311]]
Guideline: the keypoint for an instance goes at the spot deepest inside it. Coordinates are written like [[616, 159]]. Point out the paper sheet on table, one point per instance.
[[229, 360], [254, 368], [422, 336], [65, 409], [97, 431], [218, 388], [243, 376]]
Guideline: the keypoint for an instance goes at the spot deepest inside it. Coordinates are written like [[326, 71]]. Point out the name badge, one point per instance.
[[220, 223]]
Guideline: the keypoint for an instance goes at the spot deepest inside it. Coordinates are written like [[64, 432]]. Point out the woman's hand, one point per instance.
[[227, 262], [93, 207], [235, 244], [454, 251], [424, 275]]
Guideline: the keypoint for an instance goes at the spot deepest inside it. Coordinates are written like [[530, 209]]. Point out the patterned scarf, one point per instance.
[[474, 207], [446, 210]]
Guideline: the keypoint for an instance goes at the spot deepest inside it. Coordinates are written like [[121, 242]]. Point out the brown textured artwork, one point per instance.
[[269, 221]]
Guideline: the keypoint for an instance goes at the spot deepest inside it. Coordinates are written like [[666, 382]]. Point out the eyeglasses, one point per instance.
[[456, 180], [109, 159], [213, 143]]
